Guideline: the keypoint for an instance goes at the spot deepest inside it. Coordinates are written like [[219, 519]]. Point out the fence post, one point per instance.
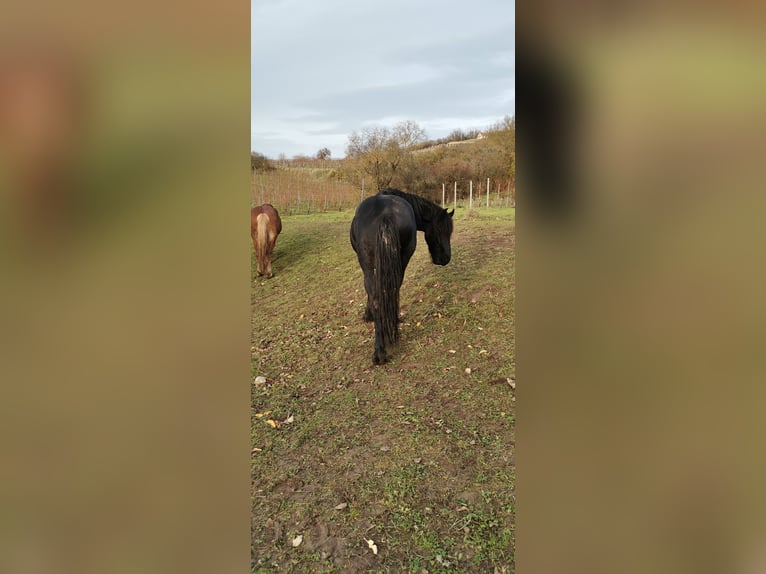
[[487, 193], [454, 200], [470, 202]]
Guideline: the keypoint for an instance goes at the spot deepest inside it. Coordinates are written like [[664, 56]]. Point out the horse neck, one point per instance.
[[423, 212]]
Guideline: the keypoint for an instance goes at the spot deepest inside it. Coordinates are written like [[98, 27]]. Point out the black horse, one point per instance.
[[384, 236]]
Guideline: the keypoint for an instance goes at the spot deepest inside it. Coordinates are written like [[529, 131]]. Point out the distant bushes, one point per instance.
[[259, 162], [493, 156]]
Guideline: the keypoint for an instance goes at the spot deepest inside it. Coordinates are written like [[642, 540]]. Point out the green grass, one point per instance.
[[421, 453]]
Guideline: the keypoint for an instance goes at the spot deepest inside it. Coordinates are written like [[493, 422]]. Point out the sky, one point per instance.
[[322, 69]]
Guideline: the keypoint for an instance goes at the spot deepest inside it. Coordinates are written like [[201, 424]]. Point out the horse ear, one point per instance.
[[451, 213]]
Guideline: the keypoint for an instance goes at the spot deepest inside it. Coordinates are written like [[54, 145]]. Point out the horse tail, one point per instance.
[[387, 280], [262, 241]]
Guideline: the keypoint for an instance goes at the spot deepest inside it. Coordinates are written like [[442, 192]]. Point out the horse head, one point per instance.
[[438, 233]]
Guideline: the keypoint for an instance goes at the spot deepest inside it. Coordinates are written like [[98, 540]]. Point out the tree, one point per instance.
[[323, 153], [504, 132], [378, 152], [259, 162]]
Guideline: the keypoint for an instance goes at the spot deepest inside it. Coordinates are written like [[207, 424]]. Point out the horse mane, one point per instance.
[[425, 209]]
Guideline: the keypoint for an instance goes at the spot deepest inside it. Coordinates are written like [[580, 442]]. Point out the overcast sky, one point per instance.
[[322, 69]]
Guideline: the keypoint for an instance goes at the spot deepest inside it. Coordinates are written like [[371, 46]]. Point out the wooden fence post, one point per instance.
[[454, 199]]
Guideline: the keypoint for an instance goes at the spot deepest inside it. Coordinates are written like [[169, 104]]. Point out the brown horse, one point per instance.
[[265, 225]]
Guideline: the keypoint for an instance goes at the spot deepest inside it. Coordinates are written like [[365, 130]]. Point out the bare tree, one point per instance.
[[323, 153], [378, 152]]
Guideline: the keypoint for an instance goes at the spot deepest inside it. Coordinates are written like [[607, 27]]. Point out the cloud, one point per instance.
[[322, 70]]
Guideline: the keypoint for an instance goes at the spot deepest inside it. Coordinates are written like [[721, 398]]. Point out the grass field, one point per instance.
[[416, 456]]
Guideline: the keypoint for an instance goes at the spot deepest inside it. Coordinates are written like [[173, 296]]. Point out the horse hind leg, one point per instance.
[[267, 269], [368, 288], [379, 357], [269, 253]]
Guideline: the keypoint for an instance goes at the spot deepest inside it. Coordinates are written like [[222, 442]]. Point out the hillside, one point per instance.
[[306, 185]]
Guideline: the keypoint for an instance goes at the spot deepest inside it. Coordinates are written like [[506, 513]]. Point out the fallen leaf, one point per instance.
[[257, 450], [511, 382], [297, 541], [260, 380], [272, 423], [263, 414], [289, 419], [482, 351], [341, 506], [453, 351], [372, 546], [468, 370], [385, 448]]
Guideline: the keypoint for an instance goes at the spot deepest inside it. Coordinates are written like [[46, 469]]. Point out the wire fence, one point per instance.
[[315, 190]]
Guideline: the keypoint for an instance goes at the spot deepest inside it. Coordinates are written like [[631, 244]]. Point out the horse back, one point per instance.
[[370, 215]]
